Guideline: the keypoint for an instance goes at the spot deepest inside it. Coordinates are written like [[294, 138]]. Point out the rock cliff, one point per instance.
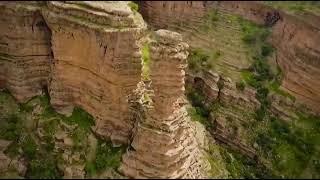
[[298, 52], [164, 144], [25, 49], [88, 55], [295, 39], [96, 64]]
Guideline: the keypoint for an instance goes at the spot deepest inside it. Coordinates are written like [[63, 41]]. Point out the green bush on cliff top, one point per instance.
[[134, 7]]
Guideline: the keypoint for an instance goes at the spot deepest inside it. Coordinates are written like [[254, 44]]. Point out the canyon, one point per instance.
[[158, 89]]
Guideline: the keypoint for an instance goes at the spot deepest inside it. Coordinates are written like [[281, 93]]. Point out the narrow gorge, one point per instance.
[[159, 89]]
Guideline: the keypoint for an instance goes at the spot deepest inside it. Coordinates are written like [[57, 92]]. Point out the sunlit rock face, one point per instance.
[[163, 144], [295, 39], [25, 52], [97, 61]]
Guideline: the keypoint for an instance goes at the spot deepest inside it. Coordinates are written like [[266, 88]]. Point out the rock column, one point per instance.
[[163, 145]]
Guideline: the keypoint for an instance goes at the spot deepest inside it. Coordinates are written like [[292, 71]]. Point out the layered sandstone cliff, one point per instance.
[[88, 55], [297, 47], [295, 40], [164, 145], [97, 61], [25, 50]]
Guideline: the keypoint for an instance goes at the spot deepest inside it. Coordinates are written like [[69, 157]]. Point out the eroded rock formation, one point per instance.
[[163, 145], [97, 61], [25, 50], [295, 39], [88, 55], [297, 46]]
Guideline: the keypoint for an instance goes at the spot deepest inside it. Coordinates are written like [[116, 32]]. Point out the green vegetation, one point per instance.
[[197, 100], [195, 114], [252, 33], [18, 125], [146, 62], [43, 167], [29, 147], [291, 147], [134, 7], [201, 59], [240, 166], [81, 118], [296, 6], [275, 87], [107, 157], [10, 127], [259, 73], [240, 85], [210, 20]]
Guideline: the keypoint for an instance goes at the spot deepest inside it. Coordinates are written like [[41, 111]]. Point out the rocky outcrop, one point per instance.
[[206, 82], [163, 145], [97, 61], [15, 167], [297, 46], [295, 38], [202, 27], [25, 52]]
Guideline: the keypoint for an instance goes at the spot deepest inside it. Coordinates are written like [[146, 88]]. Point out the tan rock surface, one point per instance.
[[296, 39], [97, 62], [164, 144], [24, 49]]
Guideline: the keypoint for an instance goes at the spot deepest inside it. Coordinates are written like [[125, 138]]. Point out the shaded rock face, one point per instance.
[[295, 40], [97, 63], [163, 145], [88, 54], [298, 50], [25, 51], [202, 27]]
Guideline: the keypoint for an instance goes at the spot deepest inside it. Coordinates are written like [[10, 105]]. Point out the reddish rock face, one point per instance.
[[97, 63], [164, 144], [25, 52], [296, 41], [87, 54]]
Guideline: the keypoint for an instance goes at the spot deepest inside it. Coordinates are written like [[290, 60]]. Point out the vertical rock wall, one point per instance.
[[295, 39], [163, 144], [97, 61], [25, 52], [298, 50]]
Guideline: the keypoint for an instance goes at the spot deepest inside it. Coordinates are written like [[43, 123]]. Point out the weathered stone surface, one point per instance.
[[298, 52], [164, 144], [296, 39], [97, 61], [25, 52]]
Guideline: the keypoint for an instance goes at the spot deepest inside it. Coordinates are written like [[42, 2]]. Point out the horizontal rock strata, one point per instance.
[[163, 145], [97, 61], [25, 52], [295, 39]]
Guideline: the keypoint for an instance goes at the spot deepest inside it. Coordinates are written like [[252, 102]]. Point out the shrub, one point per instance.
[[108, 156], [29, 147], [195, 116], [90, 169], [249, 38], [134, 7], [43, 168], [266, 50], [240, 85], [261, 113], [265, 142], [82, 118], [11, 128]]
